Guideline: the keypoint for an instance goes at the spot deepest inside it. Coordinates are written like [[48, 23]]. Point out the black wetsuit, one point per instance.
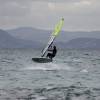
[[53, 54]]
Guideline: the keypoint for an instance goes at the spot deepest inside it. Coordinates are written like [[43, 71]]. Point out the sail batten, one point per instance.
[[53, 35]]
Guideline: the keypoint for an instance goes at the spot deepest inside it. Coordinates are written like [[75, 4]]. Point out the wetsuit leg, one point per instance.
[[49, 55]]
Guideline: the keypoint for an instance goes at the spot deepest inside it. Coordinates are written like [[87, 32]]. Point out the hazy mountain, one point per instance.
[[42, 36], [8, 41], [32, 34], [81, 43], [36, 38]]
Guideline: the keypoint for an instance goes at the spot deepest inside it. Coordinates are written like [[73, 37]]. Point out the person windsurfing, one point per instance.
[[53, 52], [54, 34]]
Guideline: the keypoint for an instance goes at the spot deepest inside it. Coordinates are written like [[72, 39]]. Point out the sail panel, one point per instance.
[[58, 27]]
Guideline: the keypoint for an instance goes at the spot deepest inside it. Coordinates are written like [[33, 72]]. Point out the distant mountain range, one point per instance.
[[39, 35], [36, 38], [81, 43], [32, 34], [8, 41]]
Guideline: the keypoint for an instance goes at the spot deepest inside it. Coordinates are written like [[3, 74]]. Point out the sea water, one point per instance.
[[73, 75]]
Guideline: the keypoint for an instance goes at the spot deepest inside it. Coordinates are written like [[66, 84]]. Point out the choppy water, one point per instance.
[[73, 75]]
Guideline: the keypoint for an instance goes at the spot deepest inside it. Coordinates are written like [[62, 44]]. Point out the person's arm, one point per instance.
[[50, 48]]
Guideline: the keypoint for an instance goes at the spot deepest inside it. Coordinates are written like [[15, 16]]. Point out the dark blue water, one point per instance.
[[73, 75]]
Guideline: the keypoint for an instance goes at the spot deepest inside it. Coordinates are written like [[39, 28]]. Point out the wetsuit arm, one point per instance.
[[50, 50]]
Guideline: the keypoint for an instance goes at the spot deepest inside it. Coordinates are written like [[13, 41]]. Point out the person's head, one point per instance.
[[54, 47]]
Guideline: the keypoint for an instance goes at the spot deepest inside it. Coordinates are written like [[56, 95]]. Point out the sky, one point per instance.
[[78, 14]]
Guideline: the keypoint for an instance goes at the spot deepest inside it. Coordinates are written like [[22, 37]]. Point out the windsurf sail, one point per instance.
[[53, 35]]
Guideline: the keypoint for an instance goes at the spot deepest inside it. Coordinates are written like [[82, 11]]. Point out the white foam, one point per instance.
[[47, 66], [84, 70]]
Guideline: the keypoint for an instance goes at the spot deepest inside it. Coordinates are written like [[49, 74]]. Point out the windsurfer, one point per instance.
[[53, 54]]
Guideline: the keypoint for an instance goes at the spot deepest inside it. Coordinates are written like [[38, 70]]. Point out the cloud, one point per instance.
[[78, 14], [13, 8]]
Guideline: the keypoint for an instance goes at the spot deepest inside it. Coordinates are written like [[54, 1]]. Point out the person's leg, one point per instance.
[[48, 55], [51, 57]]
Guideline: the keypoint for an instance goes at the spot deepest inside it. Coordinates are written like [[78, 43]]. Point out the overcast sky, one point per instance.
[[44, 14]]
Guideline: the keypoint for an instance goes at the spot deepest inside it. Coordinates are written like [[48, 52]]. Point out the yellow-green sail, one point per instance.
[[58, 27], [53, 35]]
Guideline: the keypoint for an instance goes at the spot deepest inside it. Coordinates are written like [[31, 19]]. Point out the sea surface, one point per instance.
[[73, 75]]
